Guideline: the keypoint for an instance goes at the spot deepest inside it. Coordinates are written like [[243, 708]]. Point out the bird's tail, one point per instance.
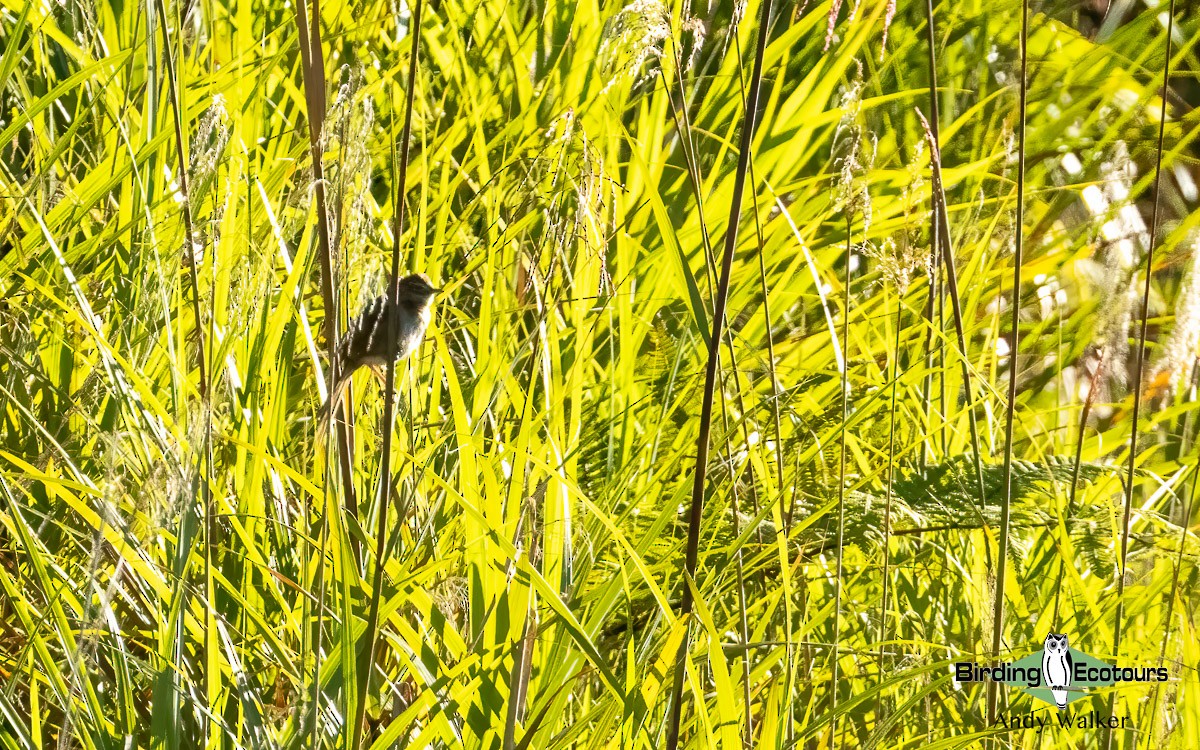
[[333, 402]]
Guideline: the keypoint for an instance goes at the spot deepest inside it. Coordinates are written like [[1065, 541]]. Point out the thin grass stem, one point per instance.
[[1127, 515], [841, 494], [367, 645], [711, 376], [205, 467], [312, 63], [887, 508], [1013, 367]]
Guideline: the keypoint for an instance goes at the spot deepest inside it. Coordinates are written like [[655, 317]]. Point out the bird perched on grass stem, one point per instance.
[[365, 343]]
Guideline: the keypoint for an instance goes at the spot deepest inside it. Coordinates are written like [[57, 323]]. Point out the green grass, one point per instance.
[[186, 560]]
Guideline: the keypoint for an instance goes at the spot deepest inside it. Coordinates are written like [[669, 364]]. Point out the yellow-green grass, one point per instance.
[[185, 568]]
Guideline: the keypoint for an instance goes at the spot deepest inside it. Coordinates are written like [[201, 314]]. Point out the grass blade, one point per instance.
[[367, 645], [710, 375], [1127, 515], [1014, 351]]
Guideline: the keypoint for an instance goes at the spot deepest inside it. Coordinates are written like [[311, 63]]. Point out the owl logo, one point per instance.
[[1057, 668]]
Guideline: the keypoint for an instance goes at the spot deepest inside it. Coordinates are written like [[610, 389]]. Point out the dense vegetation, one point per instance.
[[194, 198]]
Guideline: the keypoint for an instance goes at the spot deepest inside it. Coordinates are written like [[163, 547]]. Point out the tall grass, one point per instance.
[[366, 649], [1140, 358], [711, 376], [1014, 353], [183, 563]]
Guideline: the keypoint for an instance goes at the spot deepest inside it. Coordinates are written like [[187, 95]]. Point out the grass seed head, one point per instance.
[[1179, 354], [633, 41], [851, 194], [696, 28], [1124, 239]]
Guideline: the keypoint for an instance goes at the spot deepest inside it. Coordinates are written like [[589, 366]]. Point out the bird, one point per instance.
[[1057, 668], [366, 344]]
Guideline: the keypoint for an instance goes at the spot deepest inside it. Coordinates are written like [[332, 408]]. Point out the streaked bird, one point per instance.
[[365, 343]]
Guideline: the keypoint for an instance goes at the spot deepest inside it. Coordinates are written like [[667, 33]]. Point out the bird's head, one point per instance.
[[416, 290]]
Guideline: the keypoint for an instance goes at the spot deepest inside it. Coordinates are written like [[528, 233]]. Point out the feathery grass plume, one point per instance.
[[1124, 238], [694, 32], [889, 15], [98, 617], [896, 261], [917, 212], [632, 42], [451, 595], [296, 202], [900, 260], [567, 185], [347, 159], [207, 146], [344, 148], [20, 370], [737, 13], [854, 11], [835, 7], [1127, 229], [851, 193], [1180, 352]]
